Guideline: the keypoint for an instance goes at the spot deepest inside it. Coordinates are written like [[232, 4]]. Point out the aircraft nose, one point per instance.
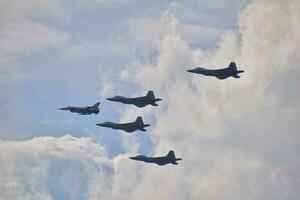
[[190, 70]]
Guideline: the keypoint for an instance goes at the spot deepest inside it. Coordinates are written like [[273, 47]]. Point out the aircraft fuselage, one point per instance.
[[128, 127], [82, 110], [138, 101], [218, 73], [142, 101], [230, 71], [163, 160]]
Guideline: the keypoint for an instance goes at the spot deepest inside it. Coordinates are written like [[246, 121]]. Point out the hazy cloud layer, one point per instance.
[[21, 32]]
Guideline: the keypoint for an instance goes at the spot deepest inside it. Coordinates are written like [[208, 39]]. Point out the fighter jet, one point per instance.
[[84, 110], [169, 158], [149, 99], [224, 73], [138, 124]]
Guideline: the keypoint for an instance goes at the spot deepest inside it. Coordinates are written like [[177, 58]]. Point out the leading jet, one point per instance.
[[149, 99], [230, 71], [130, 127], [170, 158], [84, 110]]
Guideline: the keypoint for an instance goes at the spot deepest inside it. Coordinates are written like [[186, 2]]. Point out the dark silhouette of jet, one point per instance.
[[224, 73], [149, 99], [163, 160], [138, 124], [84, 110]]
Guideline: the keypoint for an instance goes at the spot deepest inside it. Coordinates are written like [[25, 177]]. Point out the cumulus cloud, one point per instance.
[[54, 168], [239, 137], [64, 168]]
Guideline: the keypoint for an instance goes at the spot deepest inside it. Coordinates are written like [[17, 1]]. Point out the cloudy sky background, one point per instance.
[[239, 138]]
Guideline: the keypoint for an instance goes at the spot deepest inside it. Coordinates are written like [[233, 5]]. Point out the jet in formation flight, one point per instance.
[[149, 99], [138, 124], [84, 110], [163, 160], [224, 73]]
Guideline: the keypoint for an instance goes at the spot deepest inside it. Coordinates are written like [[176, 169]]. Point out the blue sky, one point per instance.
[[98, 46], [243, 132]]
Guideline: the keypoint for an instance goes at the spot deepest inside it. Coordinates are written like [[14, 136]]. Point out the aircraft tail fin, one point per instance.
[[232, 66], [171, 155], [139, 120], [96, 105], [150, 94]]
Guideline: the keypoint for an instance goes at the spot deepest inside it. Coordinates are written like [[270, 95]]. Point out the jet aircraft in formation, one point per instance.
[[230, 71], [138, 124], [170, 158], [84, 110], [149, 99]]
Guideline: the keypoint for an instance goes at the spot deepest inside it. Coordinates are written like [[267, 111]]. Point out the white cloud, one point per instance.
[[107, 88], [147, 32], [219, 126], [54, 168], [21, 32], [238, 138], [28, 25]]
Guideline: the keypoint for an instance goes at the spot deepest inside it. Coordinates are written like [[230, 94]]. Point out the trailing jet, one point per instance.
[[149, 99], [169, 158], [138, 124], [224, 73], [84, 110]]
